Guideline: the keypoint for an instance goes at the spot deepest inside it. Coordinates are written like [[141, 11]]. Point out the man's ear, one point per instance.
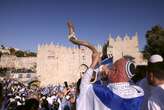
[[152, 78]]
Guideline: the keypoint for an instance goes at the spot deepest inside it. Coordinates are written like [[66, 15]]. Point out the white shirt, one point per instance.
[[89, 99], [156, 101]]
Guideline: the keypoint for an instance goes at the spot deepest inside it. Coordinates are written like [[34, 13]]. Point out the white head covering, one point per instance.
[[155, 58]]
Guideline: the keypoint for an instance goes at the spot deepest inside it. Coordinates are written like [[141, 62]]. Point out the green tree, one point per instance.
[[19, 53], [155, 42], [32, 54]]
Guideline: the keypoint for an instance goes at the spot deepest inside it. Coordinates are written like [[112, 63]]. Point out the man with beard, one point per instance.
[[155, 77]]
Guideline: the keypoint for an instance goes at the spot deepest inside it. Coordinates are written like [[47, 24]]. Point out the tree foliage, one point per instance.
[[31, 54], [155, 42], [19, 53]]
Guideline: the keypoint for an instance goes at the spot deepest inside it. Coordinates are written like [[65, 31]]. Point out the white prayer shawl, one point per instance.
[[118, 96], [156, 101]]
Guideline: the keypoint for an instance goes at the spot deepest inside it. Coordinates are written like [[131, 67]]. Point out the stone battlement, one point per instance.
[[57, 63]]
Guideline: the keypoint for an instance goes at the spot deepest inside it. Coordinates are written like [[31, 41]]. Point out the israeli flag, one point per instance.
[[45, 91], [106, 61], [109, 100]]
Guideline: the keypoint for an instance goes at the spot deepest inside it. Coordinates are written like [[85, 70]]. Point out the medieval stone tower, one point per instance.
[[125, 46]]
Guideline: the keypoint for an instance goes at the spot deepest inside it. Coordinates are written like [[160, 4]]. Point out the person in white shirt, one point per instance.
[[155, 77], [119, 94], [144, 82]]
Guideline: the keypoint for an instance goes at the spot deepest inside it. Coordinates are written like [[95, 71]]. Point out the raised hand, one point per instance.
[[71, 31], [72, 37]]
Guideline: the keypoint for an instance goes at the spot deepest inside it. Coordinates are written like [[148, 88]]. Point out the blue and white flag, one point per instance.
[[106, 61], [111, 101]]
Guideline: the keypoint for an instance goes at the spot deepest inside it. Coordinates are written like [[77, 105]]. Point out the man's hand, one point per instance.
[[66, 91], [95, 59]]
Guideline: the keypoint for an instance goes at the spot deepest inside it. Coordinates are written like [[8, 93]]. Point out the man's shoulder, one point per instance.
[[117, 95], [127, 90], [157, 94], [139, 91]]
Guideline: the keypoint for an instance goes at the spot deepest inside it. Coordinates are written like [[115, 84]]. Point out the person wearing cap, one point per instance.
[[147, 91], [155, 77], [119, 94], [144, 84]]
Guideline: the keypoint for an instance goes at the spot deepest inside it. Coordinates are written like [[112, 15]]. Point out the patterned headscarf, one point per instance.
[[121, 71]]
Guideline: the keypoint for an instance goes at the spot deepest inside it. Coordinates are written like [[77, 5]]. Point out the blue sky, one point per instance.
[[26, 23]]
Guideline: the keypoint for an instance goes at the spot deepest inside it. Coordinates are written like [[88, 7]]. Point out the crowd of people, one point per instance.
[[110, 89], [17, 96]]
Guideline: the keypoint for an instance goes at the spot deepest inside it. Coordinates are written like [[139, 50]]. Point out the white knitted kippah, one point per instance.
[[155, 58]]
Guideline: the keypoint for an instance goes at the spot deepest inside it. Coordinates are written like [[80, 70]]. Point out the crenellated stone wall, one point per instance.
[[57, 64], [125, 46], [11, 61]]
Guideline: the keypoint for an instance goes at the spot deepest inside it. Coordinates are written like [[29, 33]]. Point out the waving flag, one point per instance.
[[106, 61], [111, 101]]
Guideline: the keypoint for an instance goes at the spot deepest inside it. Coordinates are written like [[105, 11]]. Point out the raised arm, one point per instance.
[[95, 55], [72, 37]]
